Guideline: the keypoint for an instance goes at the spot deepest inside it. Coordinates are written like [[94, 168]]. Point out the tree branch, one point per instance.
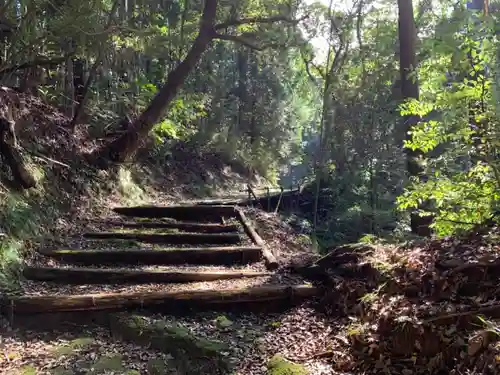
[[308, 70], [240, 40], [41, 61], [308, 64], [254, 20]]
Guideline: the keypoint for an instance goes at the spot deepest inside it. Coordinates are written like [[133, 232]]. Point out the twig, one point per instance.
[[482, 310], [255, 20], [323, 354], [465, 266], [44, 158], [41, 61]]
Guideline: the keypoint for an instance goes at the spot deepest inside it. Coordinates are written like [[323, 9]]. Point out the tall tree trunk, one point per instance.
[[410, 90], [84, 90], [79, 78], [69, 89], [125, 145]]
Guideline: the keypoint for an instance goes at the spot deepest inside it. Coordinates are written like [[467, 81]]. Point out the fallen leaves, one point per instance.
[[417, 308]]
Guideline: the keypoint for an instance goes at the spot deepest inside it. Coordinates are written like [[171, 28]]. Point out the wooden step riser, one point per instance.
[[183, 213], [173, 238], [114, 276], [167, 300], [186, 227], [207, 256]]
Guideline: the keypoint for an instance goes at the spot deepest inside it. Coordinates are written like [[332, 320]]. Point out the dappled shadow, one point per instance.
[[76, 345], [256, 331], [252, 335]]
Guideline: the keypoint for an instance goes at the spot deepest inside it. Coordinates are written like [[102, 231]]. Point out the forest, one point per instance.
[[167, 166]]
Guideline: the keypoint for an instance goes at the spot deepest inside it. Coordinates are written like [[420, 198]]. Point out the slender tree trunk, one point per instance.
[[85, 90], [410, 90], [125, 145]]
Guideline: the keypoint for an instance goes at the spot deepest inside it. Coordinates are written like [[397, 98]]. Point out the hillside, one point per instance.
[[68, 185]]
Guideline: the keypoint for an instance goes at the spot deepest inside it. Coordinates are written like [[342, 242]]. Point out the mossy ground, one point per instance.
[[101, 365]]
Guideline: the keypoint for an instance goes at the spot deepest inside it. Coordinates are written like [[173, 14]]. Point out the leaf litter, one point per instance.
[[414, 309]]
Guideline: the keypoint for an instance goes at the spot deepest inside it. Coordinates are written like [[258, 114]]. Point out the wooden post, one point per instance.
[[249, 191], [269, 258], [268, 193], [279, 200]]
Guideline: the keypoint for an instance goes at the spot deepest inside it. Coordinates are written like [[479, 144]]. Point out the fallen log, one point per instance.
[[12, 156], [197, 255], [113, 275], [269, 258], [169, 238], [93, 302], [186, 213], [188, 227]]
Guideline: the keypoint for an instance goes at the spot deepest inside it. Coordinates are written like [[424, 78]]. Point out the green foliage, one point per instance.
[[10, 261], [324, 101], [460, 149]]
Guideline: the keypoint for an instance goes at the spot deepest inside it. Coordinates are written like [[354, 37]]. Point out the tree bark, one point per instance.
[[125, 145], [410, 90], [69, 89], [13, 158], [84, 92]]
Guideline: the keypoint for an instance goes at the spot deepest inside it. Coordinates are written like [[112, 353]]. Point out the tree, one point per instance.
[[126, 144], [409, 90]]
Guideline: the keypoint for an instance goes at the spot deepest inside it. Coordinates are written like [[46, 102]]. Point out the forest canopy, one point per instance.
[[389, 108]]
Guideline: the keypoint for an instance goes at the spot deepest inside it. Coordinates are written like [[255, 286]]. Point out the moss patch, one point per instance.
[[223, 322], [74, 345], [280, 366], [61, 371], [178, 341], [27, 370], [157, 366], [107, 363]]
